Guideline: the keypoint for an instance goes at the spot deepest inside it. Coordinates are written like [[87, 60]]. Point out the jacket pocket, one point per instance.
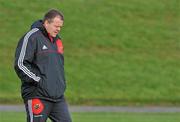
[[42, 88]]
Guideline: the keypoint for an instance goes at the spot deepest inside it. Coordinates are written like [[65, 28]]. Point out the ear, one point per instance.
[[46, 23]]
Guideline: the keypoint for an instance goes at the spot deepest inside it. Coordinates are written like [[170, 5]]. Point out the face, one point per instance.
[[54, 27]]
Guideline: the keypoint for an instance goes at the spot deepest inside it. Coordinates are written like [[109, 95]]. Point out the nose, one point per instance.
[[59, 29]]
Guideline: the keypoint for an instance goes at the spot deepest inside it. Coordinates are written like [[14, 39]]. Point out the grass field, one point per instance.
[[103, 117], [117, 52]]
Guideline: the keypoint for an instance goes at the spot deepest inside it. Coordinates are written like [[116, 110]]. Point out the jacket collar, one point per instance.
[[39, 24]]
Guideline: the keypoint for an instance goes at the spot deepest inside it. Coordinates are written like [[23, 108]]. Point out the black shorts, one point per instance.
[[39, 110]]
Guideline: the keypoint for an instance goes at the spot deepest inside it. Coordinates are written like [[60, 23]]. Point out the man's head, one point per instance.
[[53, 22]]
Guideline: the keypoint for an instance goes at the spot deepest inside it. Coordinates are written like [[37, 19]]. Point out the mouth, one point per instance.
[[56, 32]]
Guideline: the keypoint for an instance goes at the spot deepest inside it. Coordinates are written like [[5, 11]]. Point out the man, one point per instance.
[[39, 63]]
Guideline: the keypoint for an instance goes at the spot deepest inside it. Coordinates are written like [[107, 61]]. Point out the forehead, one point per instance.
[[57, 21]]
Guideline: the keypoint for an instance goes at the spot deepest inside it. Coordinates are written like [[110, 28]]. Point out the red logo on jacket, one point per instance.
[[60, 46]]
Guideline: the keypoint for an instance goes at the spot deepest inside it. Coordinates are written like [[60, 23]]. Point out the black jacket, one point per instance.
[[39, 63]]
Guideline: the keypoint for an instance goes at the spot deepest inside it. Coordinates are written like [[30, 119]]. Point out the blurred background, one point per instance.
[[117, 52]]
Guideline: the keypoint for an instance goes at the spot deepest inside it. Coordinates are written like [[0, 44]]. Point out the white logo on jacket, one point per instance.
[[44, 47]]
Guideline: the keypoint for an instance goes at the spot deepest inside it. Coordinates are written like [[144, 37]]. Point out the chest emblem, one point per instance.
[[60, 46], [44, 47]]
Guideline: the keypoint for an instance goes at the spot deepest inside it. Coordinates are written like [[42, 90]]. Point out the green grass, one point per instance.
[[103, 117], [117, 52]]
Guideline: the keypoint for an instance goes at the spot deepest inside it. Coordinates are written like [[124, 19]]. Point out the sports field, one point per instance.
[[103, 117], [117, 52]]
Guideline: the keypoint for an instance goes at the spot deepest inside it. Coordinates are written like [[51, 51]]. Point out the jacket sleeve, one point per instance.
[[26, 70]]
